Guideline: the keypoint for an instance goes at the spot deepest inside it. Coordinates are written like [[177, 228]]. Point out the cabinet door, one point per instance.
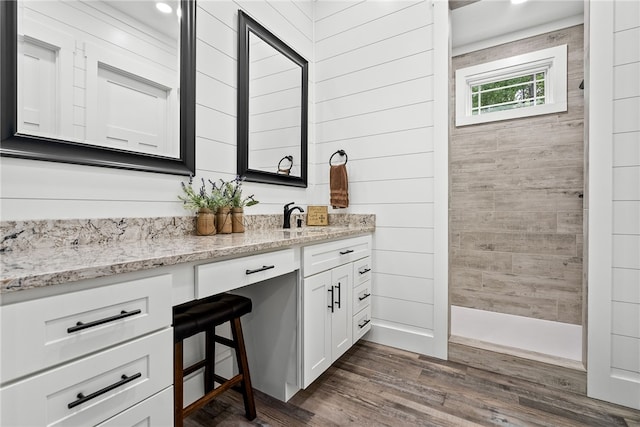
[[316, 326], [341, 317]]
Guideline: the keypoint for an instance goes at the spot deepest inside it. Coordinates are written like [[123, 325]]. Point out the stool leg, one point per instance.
[[210, 360], [178, 385], [243, 366]]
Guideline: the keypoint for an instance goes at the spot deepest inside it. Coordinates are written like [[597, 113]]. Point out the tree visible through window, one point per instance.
[[517, 92], [525, 85]]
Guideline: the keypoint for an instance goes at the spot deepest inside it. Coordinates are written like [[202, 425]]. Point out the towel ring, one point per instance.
[[285, 171], [342, 153]]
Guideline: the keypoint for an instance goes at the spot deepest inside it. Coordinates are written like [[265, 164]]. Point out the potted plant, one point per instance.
[[233, 191], [204, 204]]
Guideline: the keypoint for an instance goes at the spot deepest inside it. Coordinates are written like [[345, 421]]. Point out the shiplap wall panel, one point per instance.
[[626, 147], [411, 16], [332, 7], [403, 287], [614, 212], [626, 15], [626, 353], [403, 312], [225, 100], [381, 145], [626, 181], [625, 49], [43, 190], [215, 64], [626, 285], [403, 239], [408, 68], [386, 97], [625, 217], [625, 304], [382, 121], [391, 191], [298, 18], [390, 49], [626, 82], [383, 168], [358, 16], [217, 154], [210, 27], [374, 99]]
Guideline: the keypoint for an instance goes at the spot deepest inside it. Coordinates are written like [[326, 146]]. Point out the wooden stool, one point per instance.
[[203, 316]]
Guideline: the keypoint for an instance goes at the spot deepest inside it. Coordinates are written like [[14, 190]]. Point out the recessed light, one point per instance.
[[164, 8]]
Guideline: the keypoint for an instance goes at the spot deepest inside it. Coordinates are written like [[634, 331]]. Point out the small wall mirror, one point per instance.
[[105, 82], [272, 107]]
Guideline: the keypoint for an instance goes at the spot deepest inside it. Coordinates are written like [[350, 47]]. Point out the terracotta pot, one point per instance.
[[223, 220], [237, 220], [205, 222]]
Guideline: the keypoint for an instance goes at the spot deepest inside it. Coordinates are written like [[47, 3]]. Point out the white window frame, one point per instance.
[[553, 61]]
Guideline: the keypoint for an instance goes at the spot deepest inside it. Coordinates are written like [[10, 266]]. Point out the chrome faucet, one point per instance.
[[287, 214]]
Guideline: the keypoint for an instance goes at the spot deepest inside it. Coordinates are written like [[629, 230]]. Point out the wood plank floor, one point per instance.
[[375, 385]]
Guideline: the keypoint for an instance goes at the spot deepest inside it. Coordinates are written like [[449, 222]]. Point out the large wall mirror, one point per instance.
[[101, 82], [272, 107]]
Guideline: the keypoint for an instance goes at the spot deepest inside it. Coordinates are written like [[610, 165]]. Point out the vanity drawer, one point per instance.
[[326, 256], [110, 381], [361, 323], [45, 332], [361, 296], [222, 276], [156, 411], [361, 271]]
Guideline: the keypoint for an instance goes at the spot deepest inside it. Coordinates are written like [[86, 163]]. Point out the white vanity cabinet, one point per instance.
[[328, 290], [361, 298], [83, 357]]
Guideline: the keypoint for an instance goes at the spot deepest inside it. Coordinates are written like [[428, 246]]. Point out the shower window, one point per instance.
[[519, 86]]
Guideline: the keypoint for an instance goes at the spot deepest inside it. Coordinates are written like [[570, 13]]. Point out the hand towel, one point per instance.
[[339, 186]]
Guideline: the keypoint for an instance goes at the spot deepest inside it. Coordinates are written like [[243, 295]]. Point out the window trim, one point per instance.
[[552, 60]]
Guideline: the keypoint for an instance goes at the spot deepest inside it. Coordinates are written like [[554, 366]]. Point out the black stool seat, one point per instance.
[[199, 315], [204, 315]]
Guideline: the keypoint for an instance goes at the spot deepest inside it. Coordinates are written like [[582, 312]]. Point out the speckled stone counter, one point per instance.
[[44, 253]]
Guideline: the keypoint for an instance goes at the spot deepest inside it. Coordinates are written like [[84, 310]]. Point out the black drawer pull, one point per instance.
[[330, 290], [82, 398], [80, 326], [339, 295], [348, 251], [363, 324], [364, 297], [263, 268], [364, 270]]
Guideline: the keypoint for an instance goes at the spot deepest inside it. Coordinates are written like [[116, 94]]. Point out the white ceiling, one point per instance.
[[145, 11], [479, 23]]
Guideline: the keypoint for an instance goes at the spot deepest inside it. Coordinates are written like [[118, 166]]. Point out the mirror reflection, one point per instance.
[[275, 85], [103, 73], [272, 107]]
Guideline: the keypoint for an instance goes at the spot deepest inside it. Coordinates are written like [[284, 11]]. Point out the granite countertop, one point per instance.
[[45, 266]]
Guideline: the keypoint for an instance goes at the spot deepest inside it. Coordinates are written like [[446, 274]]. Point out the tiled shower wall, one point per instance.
[[515, 207]]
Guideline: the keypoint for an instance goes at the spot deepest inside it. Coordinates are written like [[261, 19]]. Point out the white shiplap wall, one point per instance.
[[374, 80], [614, 203], [44, 190]]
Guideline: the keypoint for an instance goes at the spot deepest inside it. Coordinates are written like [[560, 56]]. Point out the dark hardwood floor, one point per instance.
[[374, 385]]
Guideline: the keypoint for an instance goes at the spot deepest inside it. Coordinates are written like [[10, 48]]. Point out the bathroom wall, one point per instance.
[[614, 202], [515, 207], [375, 71], [45, 190]]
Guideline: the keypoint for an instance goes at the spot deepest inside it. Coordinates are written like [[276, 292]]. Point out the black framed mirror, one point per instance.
[[272, 107], [15, 142]]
